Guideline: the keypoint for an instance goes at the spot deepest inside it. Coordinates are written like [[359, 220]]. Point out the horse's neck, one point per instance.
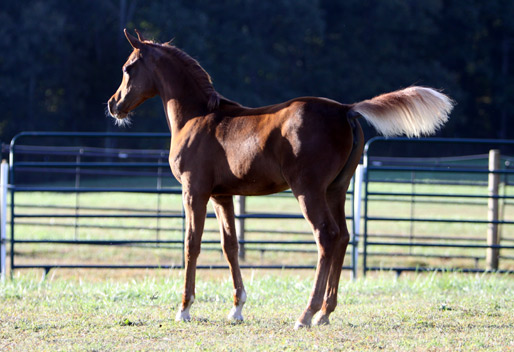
[[177, 114], [181, 104]]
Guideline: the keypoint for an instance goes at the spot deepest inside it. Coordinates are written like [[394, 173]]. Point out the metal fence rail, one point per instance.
[[371, 169], [76, 167], [78, 162]]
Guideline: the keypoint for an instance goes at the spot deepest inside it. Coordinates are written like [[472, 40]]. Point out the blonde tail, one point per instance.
[[413, 111]]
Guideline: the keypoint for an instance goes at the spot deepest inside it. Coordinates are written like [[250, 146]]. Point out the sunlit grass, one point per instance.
[[439, 312]]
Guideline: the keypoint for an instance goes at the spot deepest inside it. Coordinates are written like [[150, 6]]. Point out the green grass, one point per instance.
[[418, 312]]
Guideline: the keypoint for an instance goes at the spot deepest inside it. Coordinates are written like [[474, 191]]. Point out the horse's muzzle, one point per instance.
[[113, 109]]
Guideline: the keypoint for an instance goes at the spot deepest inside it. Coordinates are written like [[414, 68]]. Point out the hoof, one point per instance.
[[299, 325], [321, 319], [183, 316], [183, 313], [235, 314]]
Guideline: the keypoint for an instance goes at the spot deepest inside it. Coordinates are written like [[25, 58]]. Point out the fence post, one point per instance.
[[240, 209], [3, 217], [357, 203], [492, 255]]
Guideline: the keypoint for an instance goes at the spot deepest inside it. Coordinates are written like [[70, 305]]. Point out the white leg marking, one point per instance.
[[183, 314], [236, 311], [321, 319], [298, 325]]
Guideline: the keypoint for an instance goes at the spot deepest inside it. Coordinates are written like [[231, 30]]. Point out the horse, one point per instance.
[[220, 148]]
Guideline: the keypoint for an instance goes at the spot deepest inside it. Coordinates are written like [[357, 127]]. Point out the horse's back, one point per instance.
[[265, 149], [321, 105]]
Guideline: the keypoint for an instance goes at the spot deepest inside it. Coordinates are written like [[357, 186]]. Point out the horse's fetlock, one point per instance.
[[239, 296], [329, 304], [187, 300], [315, 304]]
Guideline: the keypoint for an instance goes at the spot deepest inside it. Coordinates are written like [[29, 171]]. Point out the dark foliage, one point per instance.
[[61, 61]]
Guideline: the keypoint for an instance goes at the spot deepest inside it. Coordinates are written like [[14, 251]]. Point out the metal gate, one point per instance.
[[77, 166], [433, 204], [430, 207]]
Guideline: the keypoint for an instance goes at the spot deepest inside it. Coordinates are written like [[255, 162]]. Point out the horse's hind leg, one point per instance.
[[326, 233], [336, 195], [336, 202], [195, 207], [224, 208]]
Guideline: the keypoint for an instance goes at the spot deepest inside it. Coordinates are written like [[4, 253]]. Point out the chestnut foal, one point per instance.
[[220, 149]]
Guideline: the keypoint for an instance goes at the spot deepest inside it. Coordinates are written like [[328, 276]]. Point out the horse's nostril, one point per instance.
[[111, 104]]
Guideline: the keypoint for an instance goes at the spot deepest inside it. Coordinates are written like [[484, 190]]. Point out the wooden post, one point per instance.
[[240, 209], [492, 255]]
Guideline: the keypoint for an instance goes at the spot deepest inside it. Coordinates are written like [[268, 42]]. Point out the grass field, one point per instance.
[[80, 311]]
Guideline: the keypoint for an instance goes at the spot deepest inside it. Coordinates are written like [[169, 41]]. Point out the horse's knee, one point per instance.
[[192, 249]]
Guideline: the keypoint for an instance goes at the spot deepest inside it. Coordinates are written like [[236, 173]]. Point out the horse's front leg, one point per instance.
[[224, 208], [195, 206]]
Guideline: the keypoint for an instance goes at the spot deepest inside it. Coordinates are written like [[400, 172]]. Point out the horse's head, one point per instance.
[[137, 84]]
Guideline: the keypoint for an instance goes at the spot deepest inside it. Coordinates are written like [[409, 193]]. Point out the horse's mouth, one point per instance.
[[119, 115], [122, 119]]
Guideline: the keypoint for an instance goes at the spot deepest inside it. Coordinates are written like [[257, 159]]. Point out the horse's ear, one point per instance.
[[136, 43], [139, 36]]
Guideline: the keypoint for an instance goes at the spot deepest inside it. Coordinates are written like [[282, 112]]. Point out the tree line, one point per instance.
[[60, 61]]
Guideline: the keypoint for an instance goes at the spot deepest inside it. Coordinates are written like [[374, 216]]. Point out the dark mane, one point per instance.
[[199, 75]]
